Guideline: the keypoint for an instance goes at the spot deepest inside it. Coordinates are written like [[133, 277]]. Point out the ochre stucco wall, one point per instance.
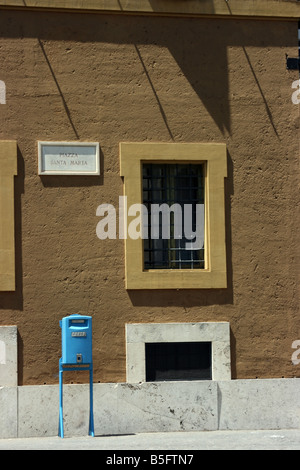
[[110, 79]]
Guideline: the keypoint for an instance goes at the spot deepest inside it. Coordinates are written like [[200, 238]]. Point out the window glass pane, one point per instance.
[[175, 231], [178, 361]]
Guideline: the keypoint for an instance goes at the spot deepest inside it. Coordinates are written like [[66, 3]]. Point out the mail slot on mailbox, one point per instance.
[[76, 339]]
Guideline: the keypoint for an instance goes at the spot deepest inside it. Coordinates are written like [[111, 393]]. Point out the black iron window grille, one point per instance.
[[179, 186]]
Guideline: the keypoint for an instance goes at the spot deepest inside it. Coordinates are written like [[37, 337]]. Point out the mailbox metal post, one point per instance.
[[76, 355]]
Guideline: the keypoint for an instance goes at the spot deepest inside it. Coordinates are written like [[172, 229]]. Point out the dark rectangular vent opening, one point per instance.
[[178, 361]]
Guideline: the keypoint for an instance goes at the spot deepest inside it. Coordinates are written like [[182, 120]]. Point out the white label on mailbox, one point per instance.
[[78, 333]]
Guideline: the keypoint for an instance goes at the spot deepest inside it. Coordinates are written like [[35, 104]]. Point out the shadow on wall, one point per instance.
[[200, 52]]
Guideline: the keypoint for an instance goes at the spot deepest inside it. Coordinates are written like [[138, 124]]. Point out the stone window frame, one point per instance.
[[138, 334], [214, 155], [8, 169]]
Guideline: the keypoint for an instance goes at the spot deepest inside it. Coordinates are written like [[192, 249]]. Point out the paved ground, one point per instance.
[[190, 441]]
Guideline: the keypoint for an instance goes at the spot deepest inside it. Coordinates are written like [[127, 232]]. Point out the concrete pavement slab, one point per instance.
[[288, 439]]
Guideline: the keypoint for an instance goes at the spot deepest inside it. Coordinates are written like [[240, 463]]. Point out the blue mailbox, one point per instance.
[[76, 341]]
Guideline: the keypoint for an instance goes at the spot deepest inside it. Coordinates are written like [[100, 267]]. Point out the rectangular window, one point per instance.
[[174, 176], [174, 197], [178, 361], [178, 351]]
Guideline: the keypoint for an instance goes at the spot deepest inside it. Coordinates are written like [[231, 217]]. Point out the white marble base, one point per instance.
[[123, 408], [8, 356], [8, 412], [259, 404]]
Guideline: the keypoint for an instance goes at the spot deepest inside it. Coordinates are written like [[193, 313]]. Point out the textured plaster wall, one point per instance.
[[117, 78]]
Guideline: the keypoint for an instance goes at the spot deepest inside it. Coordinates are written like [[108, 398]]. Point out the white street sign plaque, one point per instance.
[[68, 158]]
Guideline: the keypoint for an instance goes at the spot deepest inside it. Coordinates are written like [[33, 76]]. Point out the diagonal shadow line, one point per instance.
[[261, 92], [257, 82], [59, 89], [154, 92]]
